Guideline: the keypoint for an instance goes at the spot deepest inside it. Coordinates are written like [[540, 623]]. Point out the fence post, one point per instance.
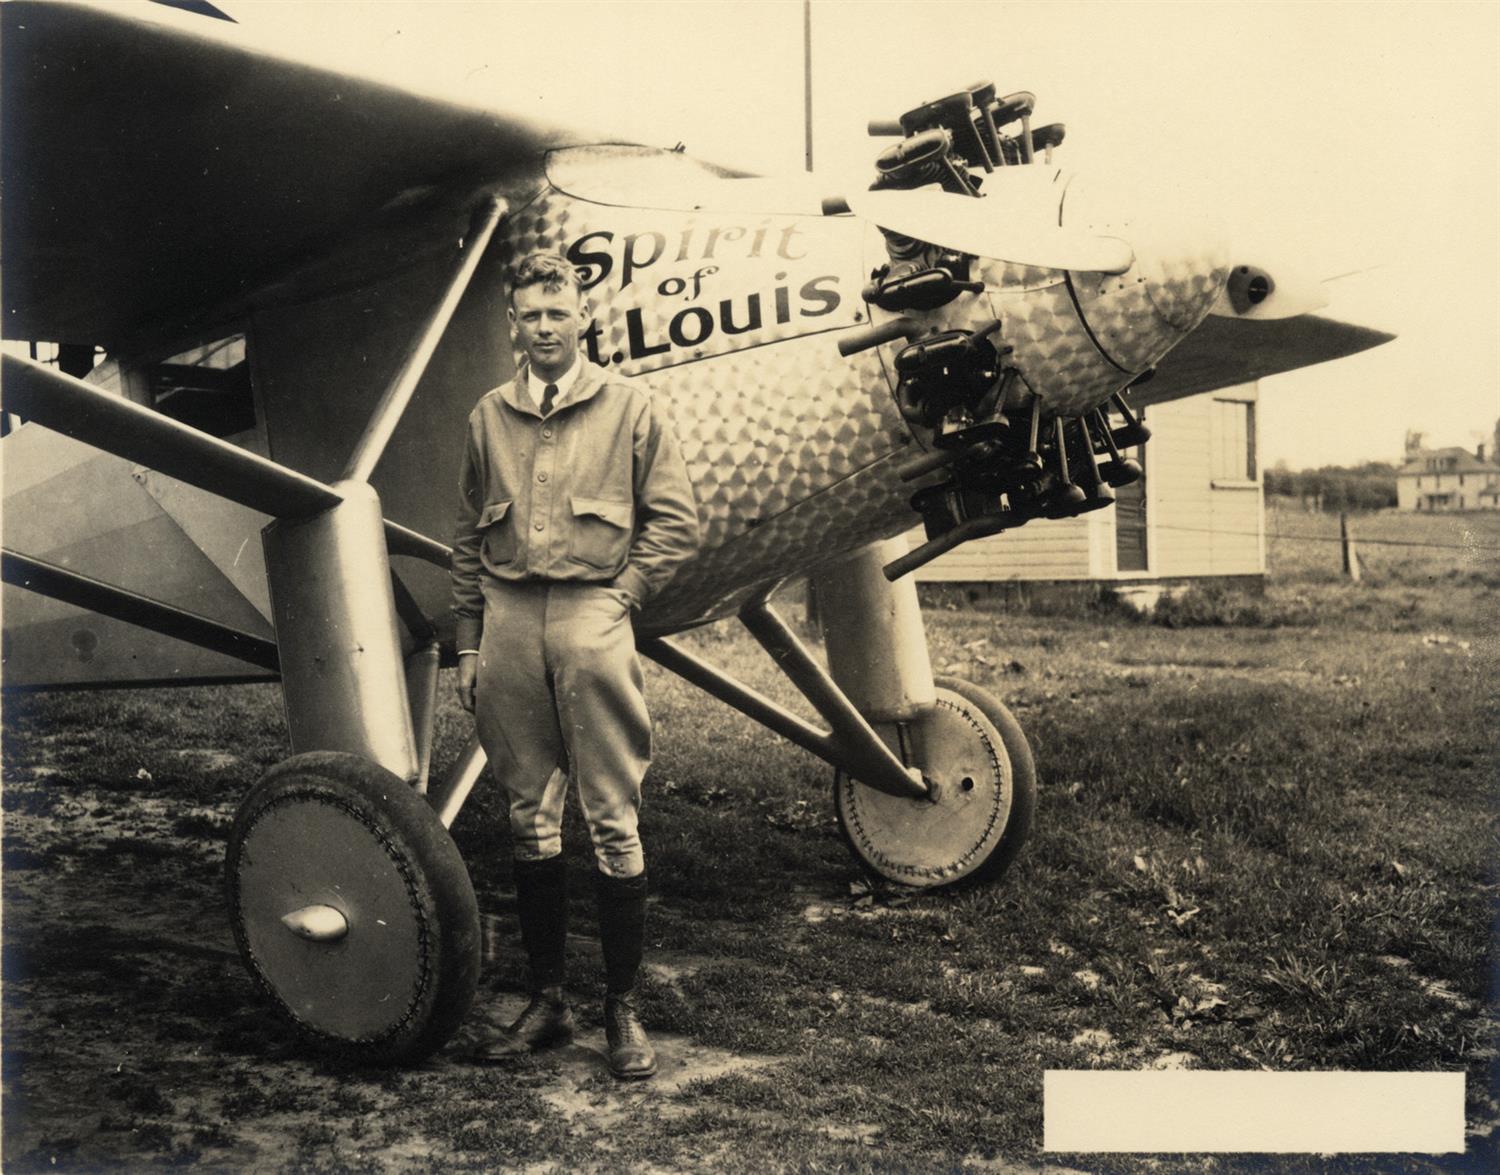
[[1346, 542]]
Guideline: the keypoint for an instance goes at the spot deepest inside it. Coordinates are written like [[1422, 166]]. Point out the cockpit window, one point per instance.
[[206, 387]]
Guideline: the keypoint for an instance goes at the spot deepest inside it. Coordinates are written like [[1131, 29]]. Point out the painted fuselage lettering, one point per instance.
[[664, 291], [648, 336], [600, 254]]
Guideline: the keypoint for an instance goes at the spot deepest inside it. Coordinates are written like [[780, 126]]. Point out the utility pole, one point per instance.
[[812, 597], [807, 77]]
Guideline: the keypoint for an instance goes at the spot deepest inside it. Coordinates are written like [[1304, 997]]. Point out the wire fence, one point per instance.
[[1359, 540]]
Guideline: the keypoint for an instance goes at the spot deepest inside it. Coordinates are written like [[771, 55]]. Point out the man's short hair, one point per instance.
[[548, 270]]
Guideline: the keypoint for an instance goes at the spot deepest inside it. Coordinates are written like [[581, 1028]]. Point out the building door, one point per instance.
[[1130, 519]]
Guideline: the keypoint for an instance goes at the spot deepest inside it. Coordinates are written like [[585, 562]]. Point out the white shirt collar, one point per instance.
[[538, 386]]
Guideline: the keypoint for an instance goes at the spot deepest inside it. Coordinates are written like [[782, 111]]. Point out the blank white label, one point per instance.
[[1208, 1111]]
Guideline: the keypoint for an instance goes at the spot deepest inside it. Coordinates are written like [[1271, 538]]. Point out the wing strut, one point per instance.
[[81, 410], [59, 583], [387, 414], [850, 743], [116, 425], [344, 680]]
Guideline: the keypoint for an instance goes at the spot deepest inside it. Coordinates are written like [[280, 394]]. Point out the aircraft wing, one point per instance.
[[149, 169], [1227, 351]]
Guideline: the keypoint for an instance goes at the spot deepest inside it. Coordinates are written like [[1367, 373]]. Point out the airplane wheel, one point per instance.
[[974, 752], [352, 908]]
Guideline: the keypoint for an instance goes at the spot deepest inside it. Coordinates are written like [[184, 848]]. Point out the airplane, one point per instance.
[[296, 279]]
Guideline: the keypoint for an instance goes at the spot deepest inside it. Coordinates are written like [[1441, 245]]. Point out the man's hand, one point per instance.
[[623, 598], [468, 671]]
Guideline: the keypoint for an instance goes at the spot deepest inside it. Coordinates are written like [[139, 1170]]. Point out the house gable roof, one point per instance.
[[1463, 462]]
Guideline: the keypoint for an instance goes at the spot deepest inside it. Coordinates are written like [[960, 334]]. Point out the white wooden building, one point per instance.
[[1199, 512]]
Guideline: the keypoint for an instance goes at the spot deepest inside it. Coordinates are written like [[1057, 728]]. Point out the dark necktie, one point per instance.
[[549, 395]]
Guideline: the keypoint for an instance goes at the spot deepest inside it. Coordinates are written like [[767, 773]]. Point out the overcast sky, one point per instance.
[[1353, 135]]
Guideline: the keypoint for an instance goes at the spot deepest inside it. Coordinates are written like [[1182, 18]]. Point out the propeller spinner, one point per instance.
[[1263, 292]]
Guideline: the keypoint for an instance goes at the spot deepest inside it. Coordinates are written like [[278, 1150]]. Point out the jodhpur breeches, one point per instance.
[[560, 695]]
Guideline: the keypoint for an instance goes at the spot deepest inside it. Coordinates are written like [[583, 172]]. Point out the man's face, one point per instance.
[[547, 324]]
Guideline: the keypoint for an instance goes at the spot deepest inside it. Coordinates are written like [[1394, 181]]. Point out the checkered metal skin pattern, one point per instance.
[[1181, 263], [1140, 315], [787, 442], [791, 447], [1183, 286], [768, 428], [1055, 354], [1006, 277], [872, 504], [789, 450], [1118, 309]]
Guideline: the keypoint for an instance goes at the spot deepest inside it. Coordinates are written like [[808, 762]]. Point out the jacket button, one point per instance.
[[541, 526], [546, 434], [542, 477]]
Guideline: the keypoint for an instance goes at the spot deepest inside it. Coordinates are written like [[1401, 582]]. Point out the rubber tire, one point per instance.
[[437, 883], [1022, 802], [1022, 777]]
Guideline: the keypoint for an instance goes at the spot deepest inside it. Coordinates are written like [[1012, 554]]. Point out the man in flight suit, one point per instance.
[[574, 508]]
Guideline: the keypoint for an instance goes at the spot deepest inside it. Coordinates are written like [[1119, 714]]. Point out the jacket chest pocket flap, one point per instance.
[[499, 533], [601, 532]]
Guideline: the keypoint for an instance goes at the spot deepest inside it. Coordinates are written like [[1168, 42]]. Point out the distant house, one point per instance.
[[1448, 479], [1198, 513]]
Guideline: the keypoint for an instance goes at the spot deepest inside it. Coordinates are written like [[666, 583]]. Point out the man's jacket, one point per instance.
[[598, 492]]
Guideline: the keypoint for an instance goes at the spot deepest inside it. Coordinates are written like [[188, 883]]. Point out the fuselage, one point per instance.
[[729, 296], [733, 315]]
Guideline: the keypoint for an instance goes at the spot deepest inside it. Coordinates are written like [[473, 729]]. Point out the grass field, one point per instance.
[[1266, 838], [1302, 547]]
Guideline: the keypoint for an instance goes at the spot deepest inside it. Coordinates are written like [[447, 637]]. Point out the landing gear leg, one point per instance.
[[350, 903], [970, 750]]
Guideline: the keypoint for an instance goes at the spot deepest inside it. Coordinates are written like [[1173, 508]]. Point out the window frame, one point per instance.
[[1251, 478], [136, 380]]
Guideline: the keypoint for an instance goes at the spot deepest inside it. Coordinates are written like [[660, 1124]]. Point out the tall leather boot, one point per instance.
[[622, 933], [542, 905]]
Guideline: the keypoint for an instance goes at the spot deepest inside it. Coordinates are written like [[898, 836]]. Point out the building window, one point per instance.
[[1232, 432], [207, 387]]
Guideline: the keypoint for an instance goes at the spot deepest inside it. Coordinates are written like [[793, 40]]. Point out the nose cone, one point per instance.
[[1181, 262]]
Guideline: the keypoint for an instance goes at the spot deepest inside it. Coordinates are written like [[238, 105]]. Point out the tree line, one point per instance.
[[1371, 486]]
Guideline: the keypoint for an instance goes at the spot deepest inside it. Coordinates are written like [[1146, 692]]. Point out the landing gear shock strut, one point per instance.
[[980, 782]]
